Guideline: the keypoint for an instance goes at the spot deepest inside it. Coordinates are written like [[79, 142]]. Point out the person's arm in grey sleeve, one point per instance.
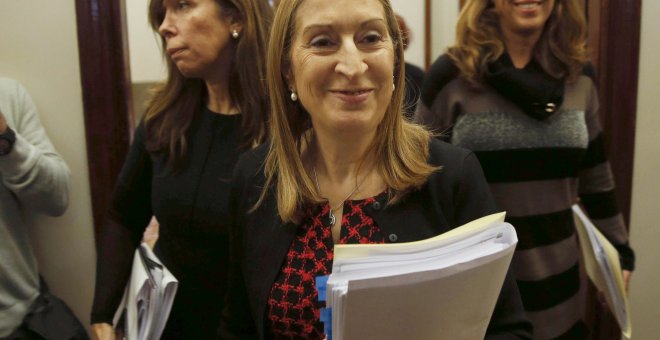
[[32, 170]]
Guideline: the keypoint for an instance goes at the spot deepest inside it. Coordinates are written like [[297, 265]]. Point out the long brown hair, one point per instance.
[[561, 49], [174, 104], [403, 145]]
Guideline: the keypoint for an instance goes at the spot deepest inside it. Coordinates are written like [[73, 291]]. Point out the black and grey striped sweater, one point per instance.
[[536, 169]]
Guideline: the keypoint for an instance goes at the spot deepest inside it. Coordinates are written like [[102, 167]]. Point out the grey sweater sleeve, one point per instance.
[[33, 170]]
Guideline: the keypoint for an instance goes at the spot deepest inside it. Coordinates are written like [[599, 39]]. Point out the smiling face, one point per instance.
[[197, 36], [342, 64], [523, 17]]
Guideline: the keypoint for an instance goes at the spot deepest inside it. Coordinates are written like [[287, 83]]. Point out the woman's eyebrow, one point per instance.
[[312, 27]]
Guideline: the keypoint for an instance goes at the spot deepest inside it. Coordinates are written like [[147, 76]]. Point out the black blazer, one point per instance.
[[455, 195]]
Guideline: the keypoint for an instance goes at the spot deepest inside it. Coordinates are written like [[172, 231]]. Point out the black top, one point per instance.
[[191, 207], [451, 197]]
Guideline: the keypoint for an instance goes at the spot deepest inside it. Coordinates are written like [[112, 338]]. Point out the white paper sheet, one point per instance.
[[603, 268]]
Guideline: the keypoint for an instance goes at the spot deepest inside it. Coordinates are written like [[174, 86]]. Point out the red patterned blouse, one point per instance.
[[293, 306]]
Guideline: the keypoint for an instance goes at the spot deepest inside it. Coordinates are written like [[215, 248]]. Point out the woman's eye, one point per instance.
[[182, 5], [372, 38], [321, 42]]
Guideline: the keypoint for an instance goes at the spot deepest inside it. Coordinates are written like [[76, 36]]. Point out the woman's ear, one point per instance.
[[236, 26], [235, 21], [288, 76]]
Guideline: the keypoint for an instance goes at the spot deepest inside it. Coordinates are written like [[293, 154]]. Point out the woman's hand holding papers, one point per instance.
[[627, 274], [103, 331]]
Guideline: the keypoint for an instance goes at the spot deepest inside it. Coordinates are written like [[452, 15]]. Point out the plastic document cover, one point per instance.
[[148, 297], [444, 287], [601, 261]]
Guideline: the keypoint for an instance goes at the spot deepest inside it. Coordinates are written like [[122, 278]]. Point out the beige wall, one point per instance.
[[413, 12], [645, 219], [143, 44], [443, 25], [40, 49]]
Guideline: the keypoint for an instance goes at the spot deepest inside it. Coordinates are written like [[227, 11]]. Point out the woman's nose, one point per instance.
[[167, 28], [351, 60]]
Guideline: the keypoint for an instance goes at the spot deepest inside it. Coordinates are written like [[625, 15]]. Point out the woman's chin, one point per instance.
[[189, 71], [353, 126]]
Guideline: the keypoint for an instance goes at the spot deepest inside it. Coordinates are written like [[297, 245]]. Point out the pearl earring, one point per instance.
[[294, 96], [234, 34], [393, 87]]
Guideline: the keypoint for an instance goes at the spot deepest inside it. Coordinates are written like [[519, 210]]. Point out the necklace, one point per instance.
[[331, 215]]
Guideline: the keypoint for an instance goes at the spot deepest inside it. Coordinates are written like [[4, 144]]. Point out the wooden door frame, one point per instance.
[[106, 92], [614, 39]]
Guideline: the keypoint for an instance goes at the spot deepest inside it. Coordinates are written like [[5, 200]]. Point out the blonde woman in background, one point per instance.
[[517, 89]]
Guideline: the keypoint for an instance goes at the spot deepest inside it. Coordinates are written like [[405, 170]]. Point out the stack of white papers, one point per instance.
[[148, 297], [444, 287], [601, 261]]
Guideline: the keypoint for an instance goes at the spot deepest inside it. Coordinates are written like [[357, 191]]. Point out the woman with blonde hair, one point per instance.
[[212, 106], [343, 166], [517, 89]]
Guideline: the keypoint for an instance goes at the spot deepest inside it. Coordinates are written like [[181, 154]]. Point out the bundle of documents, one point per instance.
[[148, 297], [601, 261], [444, 287]]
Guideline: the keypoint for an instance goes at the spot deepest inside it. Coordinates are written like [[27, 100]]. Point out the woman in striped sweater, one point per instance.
[[517, 89]]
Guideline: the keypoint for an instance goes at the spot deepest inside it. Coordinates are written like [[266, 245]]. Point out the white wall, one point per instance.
[[413, 12], [143, 45], [39, 48], [443, 25], [645, 215], [444, 14]]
